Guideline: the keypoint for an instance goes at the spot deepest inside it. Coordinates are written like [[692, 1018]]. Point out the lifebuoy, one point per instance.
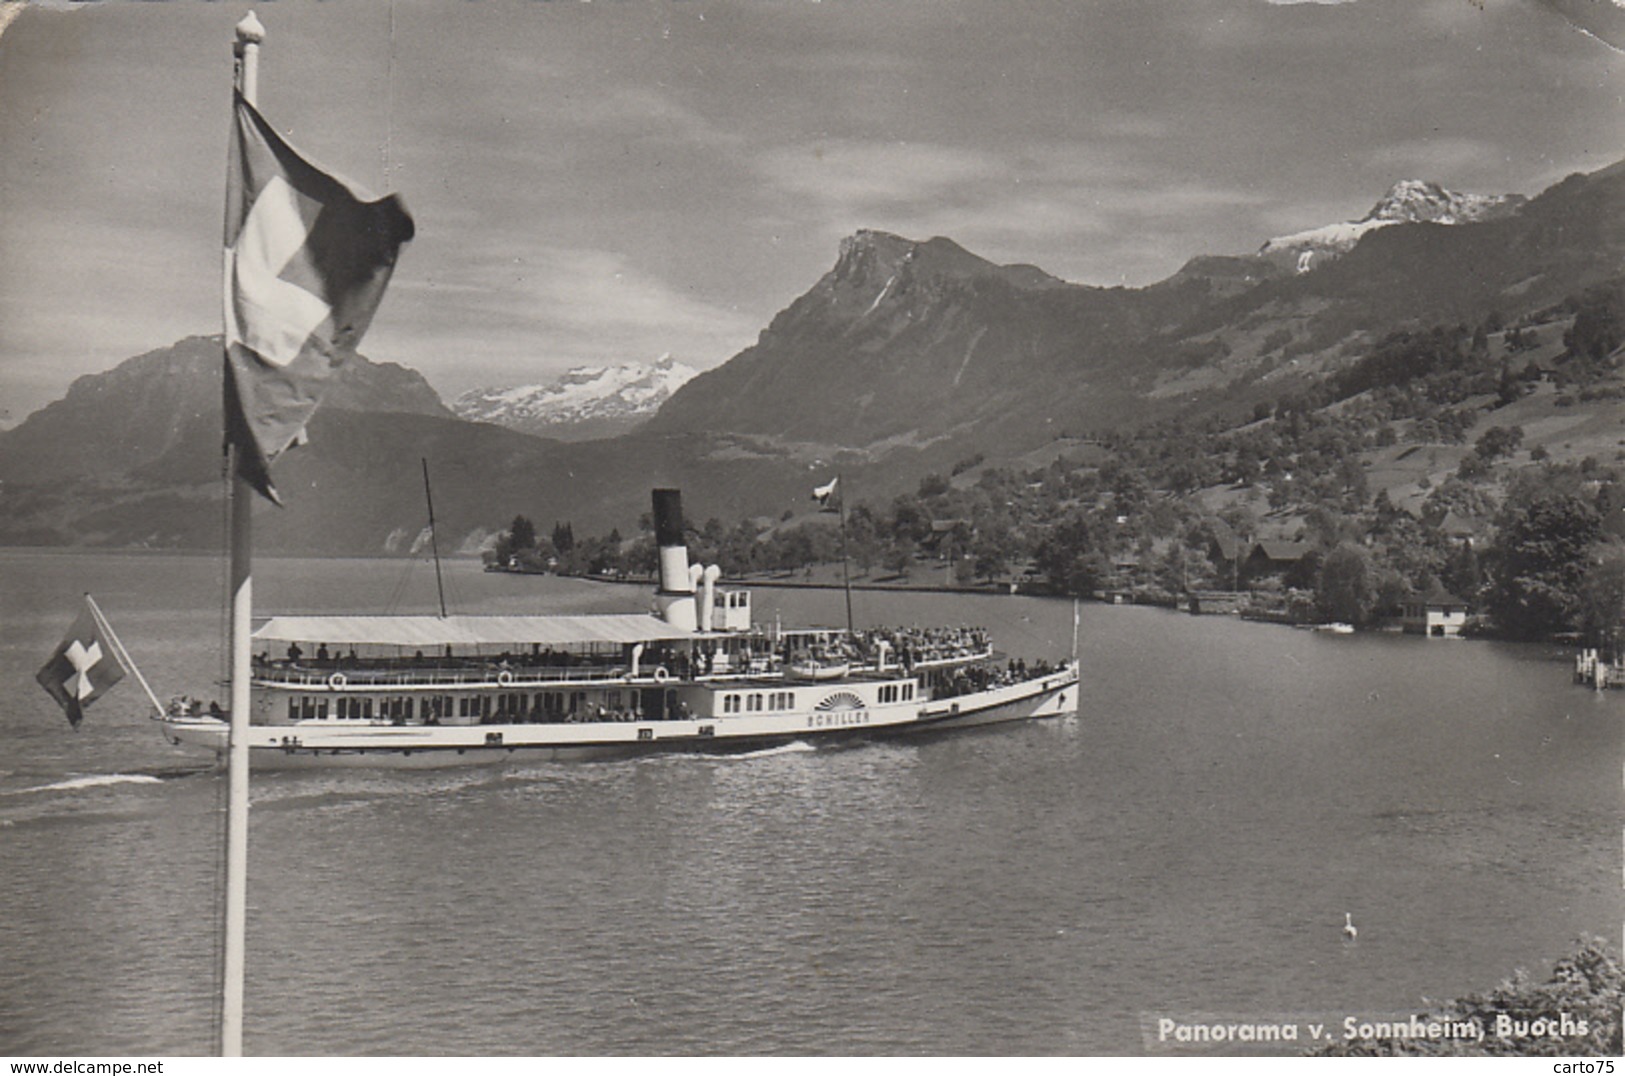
[[661, 675], [337, 680], [504, 677]]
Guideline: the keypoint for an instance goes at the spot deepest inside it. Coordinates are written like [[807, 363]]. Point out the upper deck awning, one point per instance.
[[422, 632]]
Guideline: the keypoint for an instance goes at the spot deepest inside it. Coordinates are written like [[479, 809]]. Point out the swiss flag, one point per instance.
[[306, 263], [82, 669]]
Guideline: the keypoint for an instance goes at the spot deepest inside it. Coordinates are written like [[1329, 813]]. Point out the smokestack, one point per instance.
[[708, 595], [675, 598]]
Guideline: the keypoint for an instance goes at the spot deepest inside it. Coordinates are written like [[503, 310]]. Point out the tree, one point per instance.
[[1599, 323], [1346, 589], [1497, 442], [1602, 598], [564, 538], [517, 544], [899, 558], [1540, 559], [522, 534], [1462, 576]]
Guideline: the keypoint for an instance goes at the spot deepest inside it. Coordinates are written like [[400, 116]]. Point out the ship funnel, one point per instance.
[[675, 598], [708, 595]]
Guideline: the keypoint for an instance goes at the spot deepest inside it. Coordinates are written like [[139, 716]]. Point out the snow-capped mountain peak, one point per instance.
[[1418, 200], [1408, 201], [582, 403]]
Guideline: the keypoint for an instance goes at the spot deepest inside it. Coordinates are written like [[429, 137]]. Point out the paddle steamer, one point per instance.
[[695, 674]]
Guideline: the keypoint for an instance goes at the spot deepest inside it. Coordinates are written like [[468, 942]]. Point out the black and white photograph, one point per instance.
[[811, 529]]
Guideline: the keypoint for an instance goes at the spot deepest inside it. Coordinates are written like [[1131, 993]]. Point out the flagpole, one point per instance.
[[249, 34], [121, 654]]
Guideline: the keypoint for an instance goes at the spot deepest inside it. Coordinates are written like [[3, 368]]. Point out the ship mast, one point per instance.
[[846, 570], [434, 541]]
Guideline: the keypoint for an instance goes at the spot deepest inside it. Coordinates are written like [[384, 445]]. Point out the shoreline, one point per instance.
[[804, 584]]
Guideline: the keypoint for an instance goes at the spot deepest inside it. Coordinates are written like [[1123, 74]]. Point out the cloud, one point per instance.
[[859, 176], [519, 311], [1084, 211], [1443, 159]]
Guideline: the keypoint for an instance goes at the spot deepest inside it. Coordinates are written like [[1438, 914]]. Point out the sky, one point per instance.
[[617, 180]]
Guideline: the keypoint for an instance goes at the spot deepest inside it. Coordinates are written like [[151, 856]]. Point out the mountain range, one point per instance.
[[582, 404], [905, 358]]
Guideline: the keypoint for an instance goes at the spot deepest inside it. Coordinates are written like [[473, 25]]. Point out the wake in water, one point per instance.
[[103, 780], [94, 780], [795, 747]]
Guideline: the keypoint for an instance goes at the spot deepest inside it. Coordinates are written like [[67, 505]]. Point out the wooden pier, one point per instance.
[[1590, 668]]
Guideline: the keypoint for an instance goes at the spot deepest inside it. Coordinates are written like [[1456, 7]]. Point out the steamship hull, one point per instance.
[[333, 744]]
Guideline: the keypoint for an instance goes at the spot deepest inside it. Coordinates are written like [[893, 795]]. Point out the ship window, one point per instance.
[[485, 706], [908, 691], [308, 708], [321, 708], [730, 704], [753, 703], [408, 708], [293, 708]]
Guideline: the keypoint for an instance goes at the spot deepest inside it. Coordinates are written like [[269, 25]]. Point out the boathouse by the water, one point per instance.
[[1436, 614]]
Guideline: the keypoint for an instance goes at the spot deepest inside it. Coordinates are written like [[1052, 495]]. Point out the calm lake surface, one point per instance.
[[1186, 847]]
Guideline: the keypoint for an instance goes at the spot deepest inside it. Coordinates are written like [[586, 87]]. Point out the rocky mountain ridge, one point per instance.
[[907, 357]]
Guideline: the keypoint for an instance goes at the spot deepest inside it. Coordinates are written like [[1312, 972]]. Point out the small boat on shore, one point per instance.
[[696, 674]]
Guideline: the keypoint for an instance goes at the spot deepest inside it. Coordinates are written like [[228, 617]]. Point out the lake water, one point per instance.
[[1185, 847]]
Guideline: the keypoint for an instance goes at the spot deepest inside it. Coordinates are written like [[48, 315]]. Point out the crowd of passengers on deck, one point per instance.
[[982, 676], [907, 647]]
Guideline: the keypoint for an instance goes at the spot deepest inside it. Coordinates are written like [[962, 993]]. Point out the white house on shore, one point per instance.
[[1436, 614]]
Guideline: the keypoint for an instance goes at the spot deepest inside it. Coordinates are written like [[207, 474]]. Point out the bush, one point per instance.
[[1587, 987]]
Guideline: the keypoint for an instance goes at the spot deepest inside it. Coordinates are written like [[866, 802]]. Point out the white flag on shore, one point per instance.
[[822, 494]]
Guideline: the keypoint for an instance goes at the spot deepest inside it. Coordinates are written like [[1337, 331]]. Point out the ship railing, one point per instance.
[[937, 661], [350, 677]]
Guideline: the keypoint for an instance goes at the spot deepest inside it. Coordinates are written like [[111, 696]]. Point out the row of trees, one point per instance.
[[1556, 561]]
